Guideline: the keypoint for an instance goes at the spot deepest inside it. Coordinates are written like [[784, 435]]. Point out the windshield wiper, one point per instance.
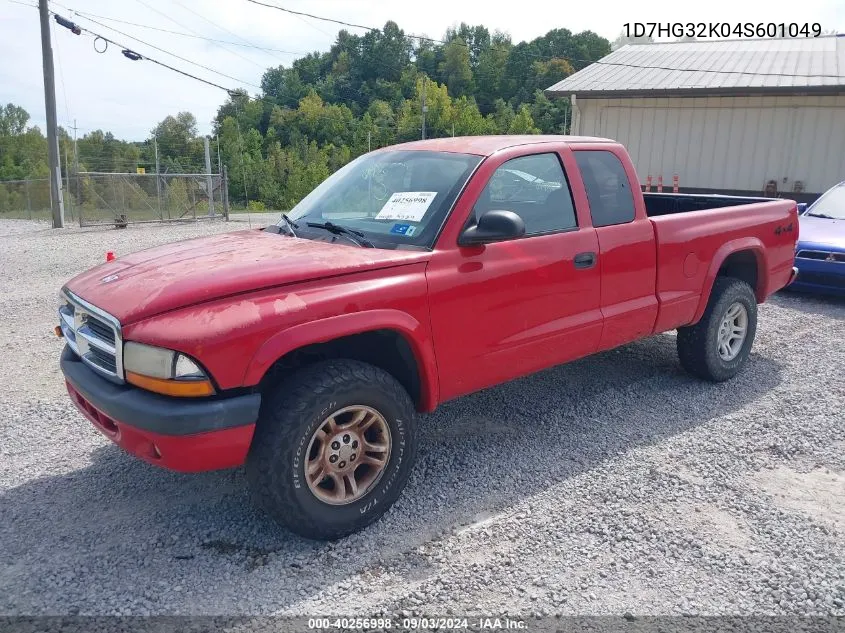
[[357, 237], [821, 215], [291, 224]]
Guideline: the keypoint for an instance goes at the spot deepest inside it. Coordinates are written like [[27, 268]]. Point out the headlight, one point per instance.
[[164, 371]]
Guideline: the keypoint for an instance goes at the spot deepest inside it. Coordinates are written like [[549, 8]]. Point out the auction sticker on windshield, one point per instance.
[[406, 205]]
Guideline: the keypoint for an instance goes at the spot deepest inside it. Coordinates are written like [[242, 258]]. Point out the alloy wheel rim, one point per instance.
[[732, 331], [347, 455]]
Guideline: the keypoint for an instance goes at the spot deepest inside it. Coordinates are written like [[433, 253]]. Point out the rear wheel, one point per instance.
[[333, 448], [717, 347]]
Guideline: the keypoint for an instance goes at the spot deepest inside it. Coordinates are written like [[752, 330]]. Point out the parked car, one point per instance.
[[820, 252], [306, 350]]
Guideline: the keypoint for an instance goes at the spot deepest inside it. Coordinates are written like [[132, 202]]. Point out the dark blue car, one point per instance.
[[820, 252]]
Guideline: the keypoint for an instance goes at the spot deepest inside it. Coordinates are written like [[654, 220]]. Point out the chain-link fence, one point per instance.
[[28, 199], [100, 198]]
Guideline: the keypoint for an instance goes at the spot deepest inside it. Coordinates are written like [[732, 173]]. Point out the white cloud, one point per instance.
[[107, 91]]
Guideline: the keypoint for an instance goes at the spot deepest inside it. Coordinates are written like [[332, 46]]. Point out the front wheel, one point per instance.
[[333, 448], [717, 347]]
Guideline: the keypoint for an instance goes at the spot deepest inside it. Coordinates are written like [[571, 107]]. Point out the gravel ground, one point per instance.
[[612, 485]]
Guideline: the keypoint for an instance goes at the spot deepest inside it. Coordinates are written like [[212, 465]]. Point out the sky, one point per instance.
[[109, 92]]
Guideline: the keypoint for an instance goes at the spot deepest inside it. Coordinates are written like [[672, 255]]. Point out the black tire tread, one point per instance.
[[693, 349], [282, 411]]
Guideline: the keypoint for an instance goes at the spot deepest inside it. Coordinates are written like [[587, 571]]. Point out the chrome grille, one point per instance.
[[93, 335], [826, 256]]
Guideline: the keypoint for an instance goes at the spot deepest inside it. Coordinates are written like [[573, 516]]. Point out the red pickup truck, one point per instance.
[[415, 274]]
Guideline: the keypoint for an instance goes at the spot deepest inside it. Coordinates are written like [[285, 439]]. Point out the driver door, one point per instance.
[[506, 309]]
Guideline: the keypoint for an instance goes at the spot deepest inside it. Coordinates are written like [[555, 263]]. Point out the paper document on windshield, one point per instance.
[[406, 205]]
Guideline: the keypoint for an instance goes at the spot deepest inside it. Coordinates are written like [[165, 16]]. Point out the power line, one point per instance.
[[61, 72], [225, 30], [176, 22], [316, 17], [245, 44], [150, 59], [229, 91], [184, 59]]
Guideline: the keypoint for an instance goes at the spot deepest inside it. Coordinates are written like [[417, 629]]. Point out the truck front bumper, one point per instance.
[[176, 433]]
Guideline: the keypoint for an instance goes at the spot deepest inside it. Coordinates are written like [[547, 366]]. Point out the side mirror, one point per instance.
[[802, 208], [493, 226]]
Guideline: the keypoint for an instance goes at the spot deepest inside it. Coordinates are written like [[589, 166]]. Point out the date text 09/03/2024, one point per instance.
[[704, 30]]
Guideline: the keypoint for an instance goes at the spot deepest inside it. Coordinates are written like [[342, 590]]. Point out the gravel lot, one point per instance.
[[614, 484]]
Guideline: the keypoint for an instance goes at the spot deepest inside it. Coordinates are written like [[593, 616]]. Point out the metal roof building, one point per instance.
[[721, 115]]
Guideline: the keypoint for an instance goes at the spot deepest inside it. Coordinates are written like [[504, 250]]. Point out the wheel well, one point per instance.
[[741, 265], [386, 349]]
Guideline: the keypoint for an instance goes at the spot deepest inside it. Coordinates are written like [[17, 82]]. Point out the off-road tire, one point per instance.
[[698, 347], [290, 414]]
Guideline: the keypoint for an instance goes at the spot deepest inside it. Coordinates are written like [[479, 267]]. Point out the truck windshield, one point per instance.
[[391, 197], [830, 205]]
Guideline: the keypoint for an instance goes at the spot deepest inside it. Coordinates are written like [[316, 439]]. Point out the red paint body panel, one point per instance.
[[691, 247], [237, 338], [473, 316], [190, 272], [184, 453]]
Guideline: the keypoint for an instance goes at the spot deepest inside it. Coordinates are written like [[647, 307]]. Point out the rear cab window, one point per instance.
[[608, 188]]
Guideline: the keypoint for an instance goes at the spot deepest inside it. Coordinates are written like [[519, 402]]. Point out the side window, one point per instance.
[[535, 188], [608, 188]]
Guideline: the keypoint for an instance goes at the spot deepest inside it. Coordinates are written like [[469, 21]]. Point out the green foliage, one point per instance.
[[455, 68], [313, 117]]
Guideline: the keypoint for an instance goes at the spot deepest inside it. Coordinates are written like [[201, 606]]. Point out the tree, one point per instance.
[[546, 74], [522, 123], [623, 39], [551, 116], [177, 141], [455, 69], [476, 40], [384, 53], [438, 116], [502, 116], [467, 118], [489, 76], [13, 120]]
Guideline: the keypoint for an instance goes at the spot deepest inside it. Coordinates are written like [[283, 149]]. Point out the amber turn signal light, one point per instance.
[[179, 388]]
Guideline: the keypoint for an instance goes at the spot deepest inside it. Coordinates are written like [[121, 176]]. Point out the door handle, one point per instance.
[[585, 260]]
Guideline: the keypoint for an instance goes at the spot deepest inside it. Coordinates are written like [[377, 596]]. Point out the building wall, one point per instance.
[[726, 143]]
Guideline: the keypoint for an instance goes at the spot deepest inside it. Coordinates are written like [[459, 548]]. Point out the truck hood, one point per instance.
[[163, 278], [821, 232]]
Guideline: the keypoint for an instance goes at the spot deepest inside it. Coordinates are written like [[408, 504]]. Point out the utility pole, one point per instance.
[[219, 162], [56, 202], [76, 168], [369, 141], [208, 186], [424, 106], [220, 179], [67, 183], [158, 178]]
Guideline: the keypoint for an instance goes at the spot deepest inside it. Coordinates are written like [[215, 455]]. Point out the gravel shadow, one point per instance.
[[122, 535]]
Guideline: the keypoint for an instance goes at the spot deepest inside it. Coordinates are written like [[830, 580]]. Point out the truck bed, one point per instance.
[[688, 244], [657, 204]]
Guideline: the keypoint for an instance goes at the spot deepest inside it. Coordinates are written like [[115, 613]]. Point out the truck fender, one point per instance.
[[328, 329], [727, 249]]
